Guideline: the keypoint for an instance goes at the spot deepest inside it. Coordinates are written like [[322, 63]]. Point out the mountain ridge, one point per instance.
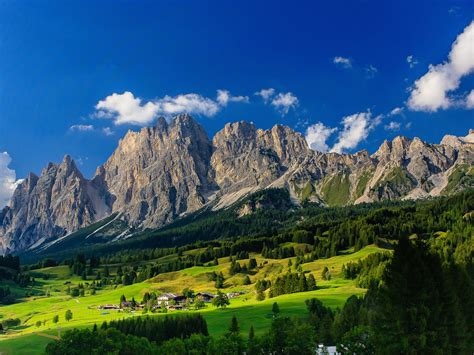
[[160, 173]]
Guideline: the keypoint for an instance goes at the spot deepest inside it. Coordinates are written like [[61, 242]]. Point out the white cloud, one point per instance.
[[188, 103], [356, 128], [126, 108], [107, 131], [371, 71], [430, 92], [8, 181], [344, 62], [81, 128], [224, 97], [90, 128], [316, 136], [393, 126], [396, 111], [470, 100], [411, 60], [284, 102], [266, 94]]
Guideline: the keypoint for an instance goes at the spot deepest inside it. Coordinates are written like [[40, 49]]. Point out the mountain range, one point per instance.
[[172, 169]]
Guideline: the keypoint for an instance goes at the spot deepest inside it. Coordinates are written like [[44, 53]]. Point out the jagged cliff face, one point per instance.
[[246, 158], [59, 201], [159, 173]]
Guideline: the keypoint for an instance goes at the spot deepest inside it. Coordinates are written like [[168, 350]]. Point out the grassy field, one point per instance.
[[30, 339]]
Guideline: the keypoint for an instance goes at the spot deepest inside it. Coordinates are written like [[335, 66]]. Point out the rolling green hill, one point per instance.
[[283, 241], [248, 310]]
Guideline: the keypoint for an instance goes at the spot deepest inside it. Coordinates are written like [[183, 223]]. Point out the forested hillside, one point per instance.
[[373, 278], [329, 230]]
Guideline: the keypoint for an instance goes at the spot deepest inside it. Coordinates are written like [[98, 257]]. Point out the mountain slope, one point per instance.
[[57, 202], [163, 172], [159, 173]]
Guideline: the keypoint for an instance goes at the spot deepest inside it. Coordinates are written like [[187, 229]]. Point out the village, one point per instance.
[[164, 302]]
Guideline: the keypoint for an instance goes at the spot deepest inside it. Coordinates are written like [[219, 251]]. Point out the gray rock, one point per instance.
[[162, 172]]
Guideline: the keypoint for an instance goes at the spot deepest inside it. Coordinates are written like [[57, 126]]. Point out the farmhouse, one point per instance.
[[234, 294], [176, 307], [205, 296], [126, 304], [109, 306], [166, 298], [326, 350], [181, 299]]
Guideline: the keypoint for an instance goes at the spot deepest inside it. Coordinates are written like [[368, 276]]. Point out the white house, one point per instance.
[[326, 350], [166, 297]]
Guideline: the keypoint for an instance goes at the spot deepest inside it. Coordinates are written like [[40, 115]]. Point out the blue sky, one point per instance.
[[338, 68]]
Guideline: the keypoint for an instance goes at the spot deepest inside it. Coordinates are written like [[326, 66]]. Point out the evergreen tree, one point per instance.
[[311, 283], [275, 309], [413, 307], [326, 275], [252, 343], [234, 325], [123, 299], [252, 264], [68, 315], [251, 334]]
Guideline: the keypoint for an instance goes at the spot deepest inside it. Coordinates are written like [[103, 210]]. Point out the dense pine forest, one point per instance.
[[420, 285], [329, 230], [421, 305]]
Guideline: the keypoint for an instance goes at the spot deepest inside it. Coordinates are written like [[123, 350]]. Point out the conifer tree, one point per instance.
[[234, 325], [275, 309]]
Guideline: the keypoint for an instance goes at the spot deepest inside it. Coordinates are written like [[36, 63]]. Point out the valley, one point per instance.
[[236, 178], [346, 250], [38, 307]]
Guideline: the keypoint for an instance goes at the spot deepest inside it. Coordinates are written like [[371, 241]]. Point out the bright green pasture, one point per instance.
[[24, 339]]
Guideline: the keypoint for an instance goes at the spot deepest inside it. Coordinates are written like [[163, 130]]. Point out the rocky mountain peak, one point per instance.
[[161, 123], [159, 173], [393, 150], [67, 160], [184, 119], [237, 130], [400, 144], [457, 142], [59, 201], [68, 167]]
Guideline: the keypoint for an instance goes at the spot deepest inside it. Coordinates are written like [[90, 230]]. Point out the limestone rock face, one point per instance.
[[246, 157], [415, 169], [457, 142], [158, 173], [57, 202], [162, 172]]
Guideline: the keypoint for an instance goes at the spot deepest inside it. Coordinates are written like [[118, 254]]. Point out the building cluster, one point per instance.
[[179, 302], [171, 301]]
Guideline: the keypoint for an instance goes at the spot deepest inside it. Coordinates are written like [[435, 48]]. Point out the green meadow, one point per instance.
[[28, 338]]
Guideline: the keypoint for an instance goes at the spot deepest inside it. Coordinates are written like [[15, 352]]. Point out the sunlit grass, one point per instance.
[[249, 312]]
